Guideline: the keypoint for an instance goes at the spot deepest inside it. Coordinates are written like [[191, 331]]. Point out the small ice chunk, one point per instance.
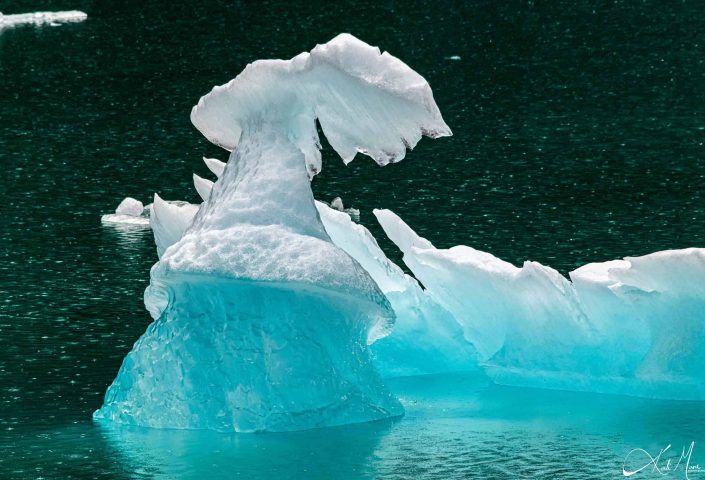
[[337, 204], [40, 18], [130, 206]]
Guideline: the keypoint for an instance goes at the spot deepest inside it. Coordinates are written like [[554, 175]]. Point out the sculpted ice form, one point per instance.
[[261, 321]]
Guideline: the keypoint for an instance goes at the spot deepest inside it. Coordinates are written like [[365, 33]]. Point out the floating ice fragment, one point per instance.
[[130, 206], [39, 18], [337, 204], [129, 212]]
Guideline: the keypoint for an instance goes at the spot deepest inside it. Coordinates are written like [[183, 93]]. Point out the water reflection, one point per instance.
[[340, 452], [456, 426], [129, 236]]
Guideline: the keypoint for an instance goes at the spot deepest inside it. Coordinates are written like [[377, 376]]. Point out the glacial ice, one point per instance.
[[337, 204], [40, 18], [261, 322], [628, 326]]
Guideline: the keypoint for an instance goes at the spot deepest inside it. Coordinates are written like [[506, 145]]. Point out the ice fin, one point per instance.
[[203, 187], [215, 166], [426, 339], [399, 232], [169, 221]]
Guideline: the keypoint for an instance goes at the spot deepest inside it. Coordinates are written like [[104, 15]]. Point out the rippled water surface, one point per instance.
[[579, 131]]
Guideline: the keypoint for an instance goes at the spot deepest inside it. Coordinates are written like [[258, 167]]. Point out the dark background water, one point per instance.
[[578, 136]]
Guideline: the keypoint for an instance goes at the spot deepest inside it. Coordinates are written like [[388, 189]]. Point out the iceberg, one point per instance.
[[627, 326], [40, 18], [262, 323]]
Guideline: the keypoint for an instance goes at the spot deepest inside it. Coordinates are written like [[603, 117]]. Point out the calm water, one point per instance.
[[579, 131]]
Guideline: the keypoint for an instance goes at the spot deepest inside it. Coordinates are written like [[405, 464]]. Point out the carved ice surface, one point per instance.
[[631, 326], [261, 322]]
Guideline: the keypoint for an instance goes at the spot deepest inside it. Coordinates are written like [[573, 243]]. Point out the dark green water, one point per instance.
[[579, 131]]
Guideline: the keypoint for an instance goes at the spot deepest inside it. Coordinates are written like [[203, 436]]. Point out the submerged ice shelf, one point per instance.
[[262, 323]]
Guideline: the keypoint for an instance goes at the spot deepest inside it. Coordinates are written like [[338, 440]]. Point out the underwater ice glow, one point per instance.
[[276, 312]]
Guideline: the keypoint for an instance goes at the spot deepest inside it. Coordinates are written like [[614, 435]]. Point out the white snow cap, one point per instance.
[[365, 101]]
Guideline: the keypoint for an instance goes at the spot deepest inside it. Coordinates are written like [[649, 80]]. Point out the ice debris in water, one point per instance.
[[261, 322], [337, 204], [40, 18], [629, 326], [129, 212], [130, 206]]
